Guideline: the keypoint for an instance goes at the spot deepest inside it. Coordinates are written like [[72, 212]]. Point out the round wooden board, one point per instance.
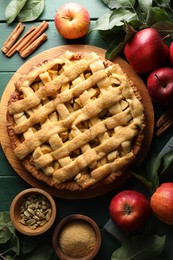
[[5, 142]]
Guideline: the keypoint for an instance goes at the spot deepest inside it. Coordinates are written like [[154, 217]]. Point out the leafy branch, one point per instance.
[[127, 16], [155, 168], [152, 246], [19, 247]]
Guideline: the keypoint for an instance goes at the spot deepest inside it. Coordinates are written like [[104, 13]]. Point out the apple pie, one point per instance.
[[75, 121]]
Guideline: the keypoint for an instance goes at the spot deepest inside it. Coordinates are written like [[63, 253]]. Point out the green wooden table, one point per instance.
[[10, 182]]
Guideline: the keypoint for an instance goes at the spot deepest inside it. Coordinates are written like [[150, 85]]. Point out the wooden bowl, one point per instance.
[[72, 223], [33, 228]]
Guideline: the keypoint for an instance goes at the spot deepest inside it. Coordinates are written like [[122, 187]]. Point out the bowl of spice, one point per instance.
[[33, 211], [77, 237]]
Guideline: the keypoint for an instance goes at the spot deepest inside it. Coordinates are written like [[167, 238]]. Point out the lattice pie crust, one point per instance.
[[75, 121]]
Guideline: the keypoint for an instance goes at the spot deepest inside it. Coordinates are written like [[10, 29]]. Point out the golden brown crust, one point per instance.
[[75, 121]]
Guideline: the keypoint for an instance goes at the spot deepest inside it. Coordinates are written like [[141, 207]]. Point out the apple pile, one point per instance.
[[147, 53], [130, 209], [72, 20]]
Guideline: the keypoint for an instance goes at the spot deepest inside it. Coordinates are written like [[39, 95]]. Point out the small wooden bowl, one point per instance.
[[73, 219], [15, 212]]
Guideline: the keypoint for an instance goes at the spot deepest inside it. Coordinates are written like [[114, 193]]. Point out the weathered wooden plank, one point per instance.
[[4, 78], [5, 167]]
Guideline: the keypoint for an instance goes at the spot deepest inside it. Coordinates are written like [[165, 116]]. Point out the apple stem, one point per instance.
[[127, 209], [67, 18], [166, 36], [161, 82]]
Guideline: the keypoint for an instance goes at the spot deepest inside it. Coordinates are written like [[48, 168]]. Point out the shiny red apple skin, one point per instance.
[[162, 203], [129, 210], [160, 86], [146, 51], [171, 54], [72, 20]]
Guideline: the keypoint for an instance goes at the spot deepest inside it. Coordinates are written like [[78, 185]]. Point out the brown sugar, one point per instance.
[[77, 239]]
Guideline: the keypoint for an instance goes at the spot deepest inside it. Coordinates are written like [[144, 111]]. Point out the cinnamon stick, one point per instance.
[[34, 35], [12, 37], [13, 49], [165, 121], [164, 127], [35, 44]]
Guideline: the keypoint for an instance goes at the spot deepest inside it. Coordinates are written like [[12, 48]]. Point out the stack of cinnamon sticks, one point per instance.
[[165, 121], [29, 42]]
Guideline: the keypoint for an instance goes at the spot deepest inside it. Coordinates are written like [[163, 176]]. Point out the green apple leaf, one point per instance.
[[115, 47], [155, 167], [148, 184], [145, 5], [115, 4], [6, 221], [151, 246], [119, 42], [166, 27], [31, 11], [167, 160], [165, 4], [102, 24], [157, 14], [13, 9], [106, 2], [42, 251], [27, 245], [120, 15], [5, 235]]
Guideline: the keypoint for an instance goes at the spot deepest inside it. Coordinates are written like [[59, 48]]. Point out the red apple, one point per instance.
[[171, 54], [72, 20], [146, 51], [162, 203], [160, 86], [130, 210]]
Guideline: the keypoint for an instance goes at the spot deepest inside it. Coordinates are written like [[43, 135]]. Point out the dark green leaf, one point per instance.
[[43, 252], [152, 171], [14, 244], [137, 24], [157, 14], [28, 244], [120, 41], [141, 178], [162, 3], [115, 48], [102, 24], [4, 218], [145, 5], [119, 16], [31, 11], [115, 4], [106, 2], [111, 35], [150, 247], [167, 161], [13, 9], [164, 29], [6, 221], [5, 235]]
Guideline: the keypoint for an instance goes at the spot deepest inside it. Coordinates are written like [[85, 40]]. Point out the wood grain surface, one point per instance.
[[5, 142]]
